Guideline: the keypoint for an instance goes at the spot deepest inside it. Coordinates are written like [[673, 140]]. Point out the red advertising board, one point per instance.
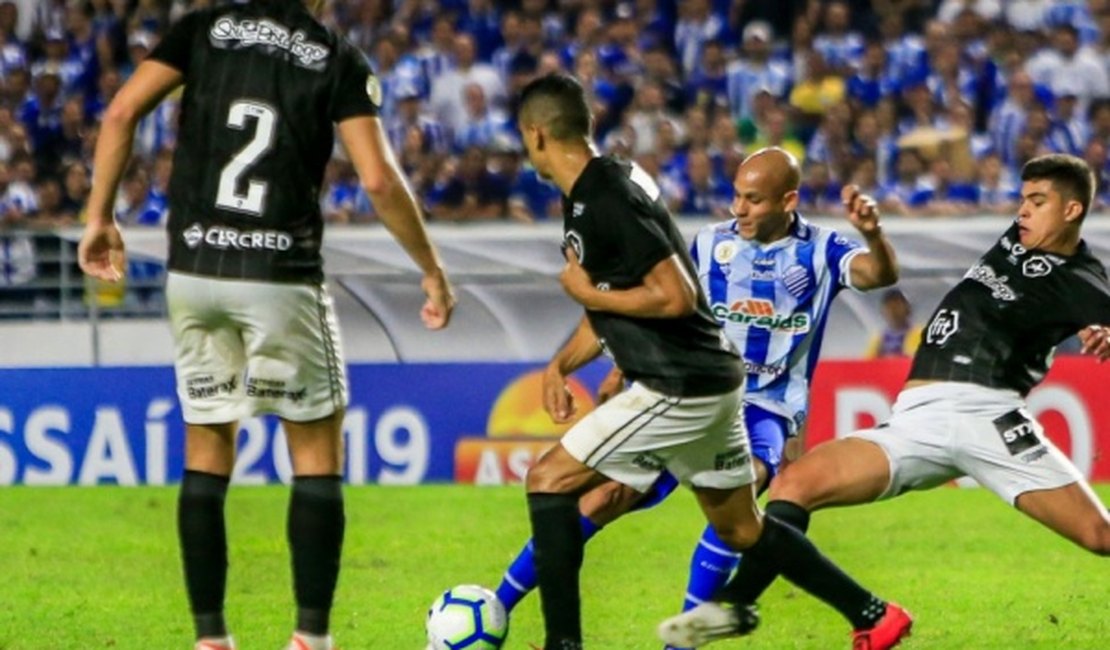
[[1073, 404]]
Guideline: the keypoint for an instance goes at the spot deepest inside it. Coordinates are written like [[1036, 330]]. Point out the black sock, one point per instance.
[[557, 540], [756, 577], [315, 529], [203, 539], [783, 549], [789, 513]]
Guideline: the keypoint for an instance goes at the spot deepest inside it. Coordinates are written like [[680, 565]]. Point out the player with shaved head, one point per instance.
[[770, 278], [682, 415]]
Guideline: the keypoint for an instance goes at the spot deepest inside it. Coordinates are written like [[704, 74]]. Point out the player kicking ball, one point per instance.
[[990, 341], [770, 256], [628, 267]]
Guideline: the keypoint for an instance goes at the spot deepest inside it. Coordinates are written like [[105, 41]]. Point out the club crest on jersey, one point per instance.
[[724, 251], [796, 280], [754, 312], [1037, 266], [944, 325], [577, 210]]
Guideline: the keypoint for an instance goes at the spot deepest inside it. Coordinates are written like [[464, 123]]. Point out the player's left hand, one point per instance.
[[576, 282], [863, 210], [100, 253], [1096, 341]]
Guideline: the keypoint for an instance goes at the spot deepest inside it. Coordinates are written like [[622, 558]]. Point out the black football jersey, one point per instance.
[[618, 226], [999, 325], [264, 84]]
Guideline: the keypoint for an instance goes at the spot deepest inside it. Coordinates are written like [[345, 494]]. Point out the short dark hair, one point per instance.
[[558, 102], [1070, 176]]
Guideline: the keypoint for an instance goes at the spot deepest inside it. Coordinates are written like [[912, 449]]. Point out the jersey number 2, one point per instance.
[[252, 202]]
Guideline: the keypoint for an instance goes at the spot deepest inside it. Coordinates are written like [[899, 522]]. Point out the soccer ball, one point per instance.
[[467, 617]]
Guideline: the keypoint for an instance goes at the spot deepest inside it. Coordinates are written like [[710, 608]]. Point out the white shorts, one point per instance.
[[942, 431], [638, 433], [249, 348]]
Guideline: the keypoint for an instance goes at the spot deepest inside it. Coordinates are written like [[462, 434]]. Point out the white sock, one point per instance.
[[216, 642]]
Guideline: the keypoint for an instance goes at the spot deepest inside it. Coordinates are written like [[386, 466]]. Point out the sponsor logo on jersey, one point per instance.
[[206, 387], [764, 369], [1037, 266], [754, 312], [731, 460], [944, 325], [996, 283], [225, 237], [273, 389], [248, 33]]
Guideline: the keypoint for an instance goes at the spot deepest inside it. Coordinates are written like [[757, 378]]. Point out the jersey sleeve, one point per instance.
[[357, 91], [838, 255], [176, 47]]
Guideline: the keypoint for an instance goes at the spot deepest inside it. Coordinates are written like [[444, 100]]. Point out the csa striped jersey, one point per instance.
[[773, 301]]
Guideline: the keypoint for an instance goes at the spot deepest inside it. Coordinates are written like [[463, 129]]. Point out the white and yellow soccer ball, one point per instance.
[[467, 617]]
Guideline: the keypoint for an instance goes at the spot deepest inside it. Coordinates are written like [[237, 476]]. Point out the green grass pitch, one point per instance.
[[98, 568]]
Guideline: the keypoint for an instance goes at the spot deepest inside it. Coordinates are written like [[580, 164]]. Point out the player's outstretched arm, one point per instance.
[[878, 267], [667, 291], [100, 252], [581, 348], [395, 204]]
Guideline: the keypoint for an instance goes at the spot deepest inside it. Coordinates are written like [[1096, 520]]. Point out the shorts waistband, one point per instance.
[[962, 396]]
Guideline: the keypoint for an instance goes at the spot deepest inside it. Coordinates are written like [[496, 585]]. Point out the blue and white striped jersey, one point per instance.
[[773, 301]]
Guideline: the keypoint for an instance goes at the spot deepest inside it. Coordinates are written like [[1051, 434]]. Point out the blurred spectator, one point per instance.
[[468, 190], [481, 125], [818, 192], [436, 57], [1064, 67], [873, 80], [775, 132], [998, 188], [697, 25], [131, 207], [840, 46], [338, 204], [755, 71], [76, 181], [647, 115], [702, 190], [1069, 130], [899, 337], [910, 191], [409, 115], [708, 85], [448, 102], [818, 90], [1009, 119]]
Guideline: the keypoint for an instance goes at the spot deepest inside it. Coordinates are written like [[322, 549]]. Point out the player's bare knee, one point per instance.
[[608, 501], [740, 535], [793, 486]]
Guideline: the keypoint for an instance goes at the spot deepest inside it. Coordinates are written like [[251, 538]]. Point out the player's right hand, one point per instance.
[[557, 400], [611, 386], [100, 254], [863, 210], [436, 312]]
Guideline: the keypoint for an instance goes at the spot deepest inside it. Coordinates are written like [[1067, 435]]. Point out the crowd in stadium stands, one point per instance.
[[930, 105]]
